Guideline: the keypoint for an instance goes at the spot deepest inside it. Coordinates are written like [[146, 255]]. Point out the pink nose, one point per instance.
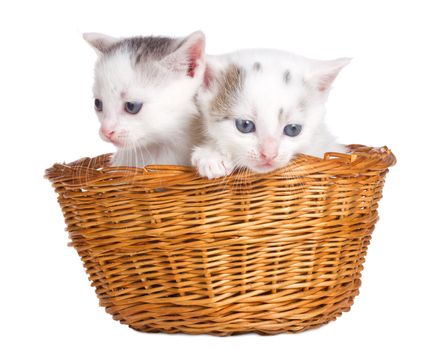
[[108, 133], [268, 149], [267, 155]]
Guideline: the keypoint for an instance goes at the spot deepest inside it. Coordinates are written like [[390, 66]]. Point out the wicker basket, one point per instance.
[[171, 252]]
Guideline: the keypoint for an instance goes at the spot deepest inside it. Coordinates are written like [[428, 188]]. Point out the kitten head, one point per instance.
[[262, 107], [144, 86]]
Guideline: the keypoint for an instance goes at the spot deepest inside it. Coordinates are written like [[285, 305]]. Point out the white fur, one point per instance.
[[264, 93], [160, 133]]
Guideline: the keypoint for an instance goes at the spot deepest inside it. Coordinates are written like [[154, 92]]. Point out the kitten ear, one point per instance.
[[188, 56], [324, 73], [100, 42]]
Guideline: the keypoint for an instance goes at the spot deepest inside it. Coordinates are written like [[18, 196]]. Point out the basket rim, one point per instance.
[[91, 171]]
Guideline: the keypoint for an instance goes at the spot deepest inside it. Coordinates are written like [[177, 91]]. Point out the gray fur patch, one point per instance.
[[142, 48], [287, 77], [257, 67]]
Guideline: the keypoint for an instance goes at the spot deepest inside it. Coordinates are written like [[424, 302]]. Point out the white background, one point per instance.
[[389, 95]]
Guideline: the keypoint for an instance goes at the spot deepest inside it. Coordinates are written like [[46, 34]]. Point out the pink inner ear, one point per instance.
[[326, 81], [195, 53]]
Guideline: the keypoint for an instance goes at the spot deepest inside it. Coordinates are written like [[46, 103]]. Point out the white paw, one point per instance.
[[211, 164]]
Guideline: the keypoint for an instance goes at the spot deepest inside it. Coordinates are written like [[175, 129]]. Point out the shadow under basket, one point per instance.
[[168, 251]]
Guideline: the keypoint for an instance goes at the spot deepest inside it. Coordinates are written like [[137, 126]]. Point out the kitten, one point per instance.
[[144, 96], [261, 108]]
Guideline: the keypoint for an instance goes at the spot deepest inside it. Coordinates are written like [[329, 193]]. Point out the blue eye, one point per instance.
[[133, 107], [292, 130], [98, 105], [245, 126]]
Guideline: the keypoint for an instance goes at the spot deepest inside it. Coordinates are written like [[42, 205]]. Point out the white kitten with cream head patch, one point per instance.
[[261, 108], [144, 96]]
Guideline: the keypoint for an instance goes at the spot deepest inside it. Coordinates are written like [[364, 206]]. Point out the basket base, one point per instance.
[[223, 332], [239, 326]]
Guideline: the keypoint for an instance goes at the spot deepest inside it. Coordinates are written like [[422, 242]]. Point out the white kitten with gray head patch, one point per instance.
[[144, 96], [261, 108]]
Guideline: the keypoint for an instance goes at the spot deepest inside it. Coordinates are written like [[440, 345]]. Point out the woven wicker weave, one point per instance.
[[168, 251]]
